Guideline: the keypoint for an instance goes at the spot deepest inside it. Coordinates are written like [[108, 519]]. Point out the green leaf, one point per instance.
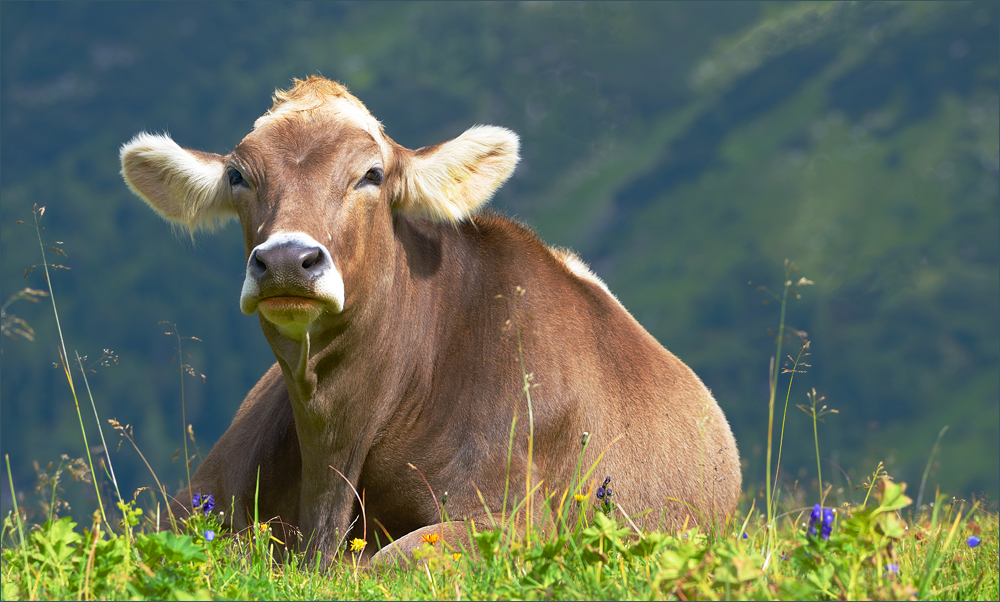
[[821, 577], [893, 497], [738, 570], [647, 546], [892, 527], [488, 543], [57, 540], [170, 547]]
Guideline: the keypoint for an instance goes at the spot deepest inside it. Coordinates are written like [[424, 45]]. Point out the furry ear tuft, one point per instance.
[[448, 182], [185, 187]]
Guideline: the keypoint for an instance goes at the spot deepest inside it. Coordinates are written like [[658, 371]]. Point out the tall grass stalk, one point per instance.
[[182, 368], [97, 419], [38, 212], [930, 462], [770, 404], [784, 415], [125, 431], [526, 384], [816, 415], [787, 288]]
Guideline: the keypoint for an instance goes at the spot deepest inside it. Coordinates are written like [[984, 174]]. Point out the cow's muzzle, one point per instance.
[[291, 279]]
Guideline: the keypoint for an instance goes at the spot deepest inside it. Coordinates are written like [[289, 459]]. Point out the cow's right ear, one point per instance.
[[184, 186]]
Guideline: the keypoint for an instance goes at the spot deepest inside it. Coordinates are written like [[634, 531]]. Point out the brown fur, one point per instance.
[[423, 365]]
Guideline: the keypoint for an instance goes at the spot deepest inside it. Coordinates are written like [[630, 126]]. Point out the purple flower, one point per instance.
[[744, 535], [827, 522], [209, 535], [603, 489], [205, 502], [823, 517], [973, 541], [892, 569]]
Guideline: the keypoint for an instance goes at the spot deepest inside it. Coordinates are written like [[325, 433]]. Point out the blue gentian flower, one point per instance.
[[814, 517], [603, 489], [823, 517], [205, 502], [209, 535], [744, 535], [827, 522], [973, 541]]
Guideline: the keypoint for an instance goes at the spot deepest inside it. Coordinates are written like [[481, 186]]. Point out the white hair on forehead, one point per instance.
[[341, 107]]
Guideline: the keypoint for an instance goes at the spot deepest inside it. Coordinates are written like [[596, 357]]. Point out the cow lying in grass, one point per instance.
[[404, 324]]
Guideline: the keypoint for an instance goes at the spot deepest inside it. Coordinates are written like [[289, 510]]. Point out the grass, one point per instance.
[[884, 548]]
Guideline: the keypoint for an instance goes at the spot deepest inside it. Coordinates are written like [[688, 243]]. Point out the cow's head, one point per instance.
[[315, 185]]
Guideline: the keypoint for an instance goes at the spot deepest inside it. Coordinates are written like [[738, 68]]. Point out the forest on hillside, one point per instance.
[[684, 149]]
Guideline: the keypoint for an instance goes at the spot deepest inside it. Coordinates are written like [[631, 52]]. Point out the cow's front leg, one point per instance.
[[255, 467]]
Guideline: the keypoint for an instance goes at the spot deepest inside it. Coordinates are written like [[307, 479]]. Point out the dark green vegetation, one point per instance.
[[684, 149], [867, 554]]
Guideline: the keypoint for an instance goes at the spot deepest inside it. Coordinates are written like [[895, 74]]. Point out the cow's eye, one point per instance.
[[235, 177], [375, 176]]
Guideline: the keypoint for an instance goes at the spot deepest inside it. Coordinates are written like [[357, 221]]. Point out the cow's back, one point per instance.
[[664, 434]]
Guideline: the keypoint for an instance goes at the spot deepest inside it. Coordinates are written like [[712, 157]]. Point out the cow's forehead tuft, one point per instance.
[[319, 94]]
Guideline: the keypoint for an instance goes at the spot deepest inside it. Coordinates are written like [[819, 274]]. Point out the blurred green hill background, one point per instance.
[[684, 149]]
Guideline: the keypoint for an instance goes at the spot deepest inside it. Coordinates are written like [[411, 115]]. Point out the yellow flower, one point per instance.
[[358, 544], [456, 556], [582, 497], [431, 538]]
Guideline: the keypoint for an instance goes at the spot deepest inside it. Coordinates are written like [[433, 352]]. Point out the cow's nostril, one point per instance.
[[310, 259], [256, 264]]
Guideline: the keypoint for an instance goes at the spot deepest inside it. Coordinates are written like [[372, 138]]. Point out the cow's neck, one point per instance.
[[339, 380]]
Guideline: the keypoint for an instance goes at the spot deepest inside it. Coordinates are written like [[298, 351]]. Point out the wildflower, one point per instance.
[[358, 544], [973, 541], [822, 516], [209, 535], [579, 497], [456, 556], [744, 535], [891, 569], [205, 502], [431, 538], [603, 489]]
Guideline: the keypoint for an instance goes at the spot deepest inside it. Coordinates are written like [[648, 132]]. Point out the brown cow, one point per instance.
[[404, 324]]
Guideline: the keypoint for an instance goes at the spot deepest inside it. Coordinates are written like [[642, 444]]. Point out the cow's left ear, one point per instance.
[[447, 182], [184, 186]]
